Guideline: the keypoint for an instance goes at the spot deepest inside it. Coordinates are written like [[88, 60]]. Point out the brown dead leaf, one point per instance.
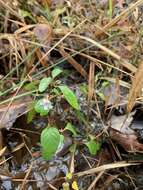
[[128, 142], [122, 123], [125, 51], [43, 32], [8, 115], [115, 93], [136, 87]]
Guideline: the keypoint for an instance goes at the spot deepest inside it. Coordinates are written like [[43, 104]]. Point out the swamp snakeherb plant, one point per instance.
[[51, 138]]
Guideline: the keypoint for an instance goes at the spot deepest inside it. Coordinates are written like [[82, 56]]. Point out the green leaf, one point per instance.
[[25, 13], [44, 83], [84, 89], [81, 117], [70, 127], [101, 95], [56, 72], [93, 146], [46, 12], [59, 11], [105, 83], [31, 86], [110, 9], [31, 113], [70, 96], [43, 106], [56, 91], [50, 139], [72, 148]]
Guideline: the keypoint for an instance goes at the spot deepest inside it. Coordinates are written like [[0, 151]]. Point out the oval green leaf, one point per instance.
[[44, 83], [70, 96], [50, 139], [70, 128], [93, 146], [43, 106], [56, 72], [31, 86]]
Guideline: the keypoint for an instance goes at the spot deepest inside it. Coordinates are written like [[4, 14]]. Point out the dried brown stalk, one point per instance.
[[136, 87]]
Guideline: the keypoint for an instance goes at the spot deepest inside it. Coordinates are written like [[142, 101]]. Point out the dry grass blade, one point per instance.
[[95, 181], [73, 62], [91, 81], [62, 39], [123, 14], [4, 161], [72, 166], [26, 176], [24, 28], [52, 187], [100, 46], [98, 62], [2, 151], [136, 87], [113, 80], [106, 167], [42, 61], [5, 5], [108, 181], [18, 147], [127, 65]]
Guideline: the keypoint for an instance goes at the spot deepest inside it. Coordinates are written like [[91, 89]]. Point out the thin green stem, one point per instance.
[[18, 96], [110, 9]]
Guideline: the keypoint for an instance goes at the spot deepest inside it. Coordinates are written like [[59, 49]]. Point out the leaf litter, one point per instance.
[[93, 43]]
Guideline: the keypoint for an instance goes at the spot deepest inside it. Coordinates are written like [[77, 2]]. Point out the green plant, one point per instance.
[[93, 146], [51, 140], [48, 89], [54, 88]]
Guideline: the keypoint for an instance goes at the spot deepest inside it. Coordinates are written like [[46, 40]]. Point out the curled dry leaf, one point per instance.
[[43, 32], [112, 94], [123, 135], [125, 51], [9, 114], [129, 142], [136, 87], [122, 123], [65, 147]]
